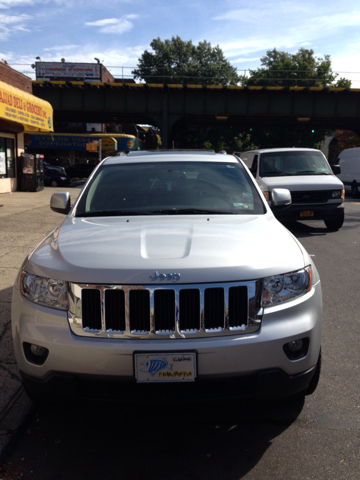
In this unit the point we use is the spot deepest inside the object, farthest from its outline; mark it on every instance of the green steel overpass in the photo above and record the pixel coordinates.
(166, 106)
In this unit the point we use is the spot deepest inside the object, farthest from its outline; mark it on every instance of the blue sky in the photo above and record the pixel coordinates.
(118, 31)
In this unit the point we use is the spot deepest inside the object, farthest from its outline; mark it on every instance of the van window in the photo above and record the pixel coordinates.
(254, 164)
(273, 164)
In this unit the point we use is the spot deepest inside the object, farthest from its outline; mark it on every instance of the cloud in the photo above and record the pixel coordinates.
(101, 23)
(285, 25)
(112, 25)
(15, 3)
(61, 48)
(11, 24)
(241, 60)
(267, 12)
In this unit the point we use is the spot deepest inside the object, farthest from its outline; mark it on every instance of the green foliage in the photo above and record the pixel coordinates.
(219, 137)
(285, 137)
(301, 69)
(179, 61)
(343, 139)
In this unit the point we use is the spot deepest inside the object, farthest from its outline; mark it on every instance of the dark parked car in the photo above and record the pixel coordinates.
(80, 170)
(55, 168)
(55, 178)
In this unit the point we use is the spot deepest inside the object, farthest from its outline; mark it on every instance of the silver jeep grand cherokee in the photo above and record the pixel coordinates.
(169, 279)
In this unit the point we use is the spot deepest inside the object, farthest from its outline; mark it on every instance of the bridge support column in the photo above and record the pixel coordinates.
(165, 122)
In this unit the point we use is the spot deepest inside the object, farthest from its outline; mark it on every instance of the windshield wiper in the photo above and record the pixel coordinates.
(191, 211)
(113, 213)
(311, 172)
(172, 211)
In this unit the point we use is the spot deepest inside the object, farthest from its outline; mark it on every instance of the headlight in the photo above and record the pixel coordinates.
(282, 288)
(45, 291)
(338, 194)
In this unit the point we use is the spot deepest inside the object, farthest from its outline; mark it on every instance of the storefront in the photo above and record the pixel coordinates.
(20, 112)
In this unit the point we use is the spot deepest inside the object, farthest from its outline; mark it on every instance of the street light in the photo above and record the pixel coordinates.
(97, 59)
(38, 58)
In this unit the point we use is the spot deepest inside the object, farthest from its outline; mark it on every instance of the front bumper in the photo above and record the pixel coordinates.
(321, 212)
(265, 384)
(233, 366)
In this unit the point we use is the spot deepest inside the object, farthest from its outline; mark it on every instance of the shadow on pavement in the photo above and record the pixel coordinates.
(92, 441)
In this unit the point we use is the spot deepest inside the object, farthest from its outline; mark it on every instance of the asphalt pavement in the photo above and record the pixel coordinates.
(25, 219)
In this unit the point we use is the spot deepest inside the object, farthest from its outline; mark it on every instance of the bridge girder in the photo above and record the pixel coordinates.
(166, 105)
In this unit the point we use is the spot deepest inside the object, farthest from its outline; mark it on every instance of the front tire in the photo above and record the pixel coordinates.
(335, 223)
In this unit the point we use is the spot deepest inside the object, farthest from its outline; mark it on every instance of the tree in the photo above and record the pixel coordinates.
(179, 61)
(219, 137)
(342, 140)
(283, 137)
(301, 69)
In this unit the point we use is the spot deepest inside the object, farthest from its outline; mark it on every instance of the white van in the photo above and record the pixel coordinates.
(349, 172)
(317, 194)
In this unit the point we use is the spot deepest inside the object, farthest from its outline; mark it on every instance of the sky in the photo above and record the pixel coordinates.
(118, 31)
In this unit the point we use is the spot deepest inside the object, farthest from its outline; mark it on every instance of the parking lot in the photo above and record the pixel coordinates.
(316, 439)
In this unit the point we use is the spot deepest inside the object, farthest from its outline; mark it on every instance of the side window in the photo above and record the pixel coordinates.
(254, 165)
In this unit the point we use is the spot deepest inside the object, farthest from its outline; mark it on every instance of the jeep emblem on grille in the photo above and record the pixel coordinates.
(165, 276)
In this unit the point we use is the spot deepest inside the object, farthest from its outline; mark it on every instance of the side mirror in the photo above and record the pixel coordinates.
(60, 202)
(336, 169)
(280, 199)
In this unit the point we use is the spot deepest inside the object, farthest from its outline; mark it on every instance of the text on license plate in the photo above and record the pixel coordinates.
(165, 367)
(307, 213)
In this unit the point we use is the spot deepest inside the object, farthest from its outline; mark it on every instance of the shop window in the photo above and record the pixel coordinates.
(7, 158)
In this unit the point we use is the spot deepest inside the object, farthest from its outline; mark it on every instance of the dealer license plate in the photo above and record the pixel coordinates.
(165, 367)
(307, 213)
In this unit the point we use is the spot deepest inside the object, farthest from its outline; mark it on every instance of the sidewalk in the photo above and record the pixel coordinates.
(25, 219)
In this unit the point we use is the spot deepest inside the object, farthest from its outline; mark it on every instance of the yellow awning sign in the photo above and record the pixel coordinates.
(108, 143)
(21, 107)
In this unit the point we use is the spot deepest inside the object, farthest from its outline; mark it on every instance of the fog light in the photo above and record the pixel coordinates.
(37, 350)
(297, 349)
(294, 346)
(35, 353)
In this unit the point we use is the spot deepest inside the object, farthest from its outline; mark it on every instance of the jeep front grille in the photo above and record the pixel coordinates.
(175, 311)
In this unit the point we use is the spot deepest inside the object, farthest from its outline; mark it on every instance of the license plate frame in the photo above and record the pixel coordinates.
(307, 214)
(165, 367)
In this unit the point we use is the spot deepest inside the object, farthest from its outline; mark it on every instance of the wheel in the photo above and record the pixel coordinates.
(54, 183)
(354, 190)
(315, 379)
(336, 223)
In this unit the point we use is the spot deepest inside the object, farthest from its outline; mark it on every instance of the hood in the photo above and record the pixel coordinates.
(128, 250)
(303, 182)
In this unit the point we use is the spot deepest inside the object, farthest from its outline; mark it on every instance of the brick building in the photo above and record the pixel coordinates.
(14, 78)
(20, 111)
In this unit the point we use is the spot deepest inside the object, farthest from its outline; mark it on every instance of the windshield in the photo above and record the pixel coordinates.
(275, 164)
(170, 188)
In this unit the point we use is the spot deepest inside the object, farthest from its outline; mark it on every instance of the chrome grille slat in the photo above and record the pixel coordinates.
(165, 310)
